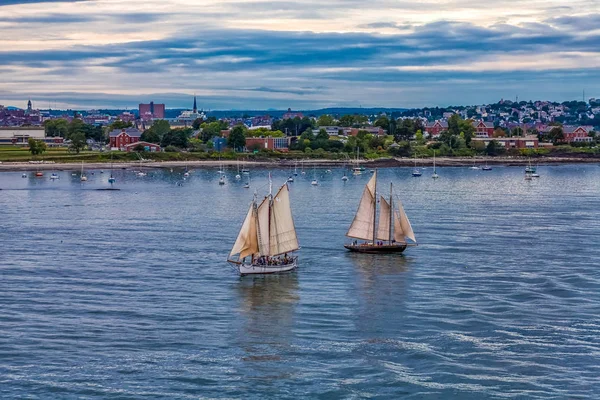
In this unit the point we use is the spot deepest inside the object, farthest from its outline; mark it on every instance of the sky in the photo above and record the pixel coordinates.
(302, 54)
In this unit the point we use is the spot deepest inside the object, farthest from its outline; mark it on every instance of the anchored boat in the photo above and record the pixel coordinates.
(389, 236)
(267, 238)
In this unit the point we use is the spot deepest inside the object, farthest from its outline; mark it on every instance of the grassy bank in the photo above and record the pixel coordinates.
(62, 155)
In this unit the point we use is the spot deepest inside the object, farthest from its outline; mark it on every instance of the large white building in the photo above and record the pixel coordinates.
(20, 135)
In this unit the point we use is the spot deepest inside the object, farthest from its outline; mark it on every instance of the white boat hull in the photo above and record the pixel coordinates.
(251, 269)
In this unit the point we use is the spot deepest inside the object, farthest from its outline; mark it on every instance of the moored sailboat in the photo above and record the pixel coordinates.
(267, 236)
(389, 236)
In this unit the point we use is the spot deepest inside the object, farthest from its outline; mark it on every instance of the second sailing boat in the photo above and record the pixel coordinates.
(389, 236)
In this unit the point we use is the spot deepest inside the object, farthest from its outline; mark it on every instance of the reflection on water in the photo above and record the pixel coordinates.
(267, 310)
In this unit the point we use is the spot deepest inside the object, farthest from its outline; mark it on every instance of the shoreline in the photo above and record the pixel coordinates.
(379, 163)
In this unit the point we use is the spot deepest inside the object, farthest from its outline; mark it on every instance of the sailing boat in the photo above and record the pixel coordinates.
(345, 177)
(435, 175)
(111, 179)
(83, 177)
(238, 176)
(416, 172)
(295, 167)
(529, 169)
(245, 170)
(247, 184)
(486, 167)
(393, 229)
(475, 166)
(314, 182)
(358, 169)
(267, 234)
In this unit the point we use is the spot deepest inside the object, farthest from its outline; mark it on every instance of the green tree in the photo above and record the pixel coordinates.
(322, 135)
(78, 142)
(325, 120)
(139, 148)
(493, 148)
(383, 122)
(453, 125)
(36, 147)
(197, 122)
(237, 137)
(56, 127)
(150, 136)
(346, 120)
(307, 134)
(158, 130)
(76, 126)
(118, 124)
(556, 134)
(211, 130)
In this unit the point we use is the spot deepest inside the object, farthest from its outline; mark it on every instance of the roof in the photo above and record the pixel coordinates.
(486, 124)
(444, 124)
(142, 143)
(133, 132)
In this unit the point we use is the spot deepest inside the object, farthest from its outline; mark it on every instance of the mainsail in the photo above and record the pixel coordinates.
(402, 227)
(383, 231)
(268, 229)
(282, 231)
(246, 243)
(363, 225)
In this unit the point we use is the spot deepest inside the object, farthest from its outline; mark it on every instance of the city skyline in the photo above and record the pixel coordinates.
(303, 55)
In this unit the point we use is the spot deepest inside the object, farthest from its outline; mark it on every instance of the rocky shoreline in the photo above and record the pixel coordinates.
(379, 163)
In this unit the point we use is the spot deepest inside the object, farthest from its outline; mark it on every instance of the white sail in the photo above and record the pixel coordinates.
(246, 243)
(363, 224)
(263, 227)
(402, 227)
(383, 230)
(283, 237)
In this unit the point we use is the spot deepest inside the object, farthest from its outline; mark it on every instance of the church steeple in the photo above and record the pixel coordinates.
(195, 106)
(29, 106)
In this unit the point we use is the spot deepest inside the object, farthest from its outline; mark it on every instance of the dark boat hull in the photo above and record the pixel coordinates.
(368, 248)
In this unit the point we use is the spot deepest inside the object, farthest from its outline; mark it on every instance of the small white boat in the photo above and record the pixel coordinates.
(186, 174)
(247, 186)
(434, 175)
(141, 174)
(53, 176)
(290, 179)
(222, 180)
(83, 177)
(535, 175)
(24, 175)
(344, 178)
(314, 182)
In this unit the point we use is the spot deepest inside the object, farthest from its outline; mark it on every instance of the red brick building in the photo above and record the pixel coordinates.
(292, 114)
(435, 128)
(515, 142)
(577, 133)
(269, 143)
(149, 147)
(152, 111)
(483, 129)
(119, 138)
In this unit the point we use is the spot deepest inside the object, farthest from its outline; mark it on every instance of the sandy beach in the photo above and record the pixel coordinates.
(381, 163)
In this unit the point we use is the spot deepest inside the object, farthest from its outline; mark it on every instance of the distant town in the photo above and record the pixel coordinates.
(505, 127)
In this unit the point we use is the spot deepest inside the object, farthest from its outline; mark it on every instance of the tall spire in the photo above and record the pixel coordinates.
(195, 106)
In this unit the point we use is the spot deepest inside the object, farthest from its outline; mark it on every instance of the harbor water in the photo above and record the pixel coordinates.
(126, 294)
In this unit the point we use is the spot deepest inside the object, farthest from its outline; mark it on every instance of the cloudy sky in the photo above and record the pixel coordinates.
(256, 54)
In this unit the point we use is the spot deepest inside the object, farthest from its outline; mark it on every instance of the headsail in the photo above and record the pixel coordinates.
(402, 227)
(246, 243)
(362, 226)
(383, 231)
(282, 237)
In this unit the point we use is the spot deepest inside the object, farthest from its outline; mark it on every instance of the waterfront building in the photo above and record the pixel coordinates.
(119, 138)
(151, 111)
(149, 147)
(268, 143)
(436, 127)
(516, 142)
(19, 136)
(483, 129)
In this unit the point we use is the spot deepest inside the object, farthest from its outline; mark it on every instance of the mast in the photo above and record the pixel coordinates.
(391, 213)
(375, 208)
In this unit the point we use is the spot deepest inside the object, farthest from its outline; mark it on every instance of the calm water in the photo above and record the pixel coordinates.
(126, 294)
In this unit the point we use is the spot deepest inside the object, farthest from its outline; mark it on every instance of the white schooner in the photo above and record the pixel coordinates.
(267, 237)
(389, 236)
